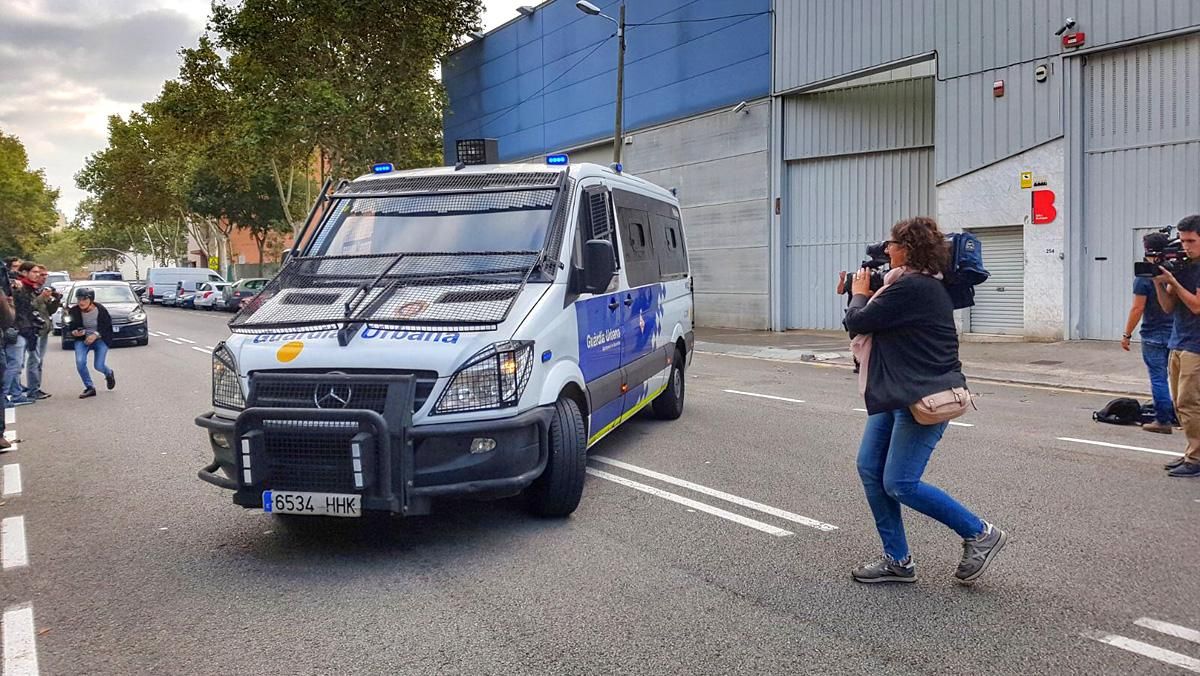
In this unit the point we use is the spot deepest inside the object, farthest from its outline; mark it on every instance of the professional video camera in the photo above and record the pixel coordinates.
(876, 259)
(1163, 251)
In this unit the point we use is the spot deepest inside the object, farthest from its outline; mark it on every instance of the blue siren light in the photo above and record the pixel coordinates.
(559, 160)
(382, 168)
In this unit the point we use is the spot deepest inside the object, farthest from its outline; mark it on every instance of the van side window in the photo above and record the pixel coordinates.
(672, 257)
(641, 266)
(595, 222)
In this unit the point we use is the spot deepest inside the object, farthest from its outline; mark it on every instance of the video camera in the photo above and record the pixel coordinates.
(876, 259)
(1163, 251)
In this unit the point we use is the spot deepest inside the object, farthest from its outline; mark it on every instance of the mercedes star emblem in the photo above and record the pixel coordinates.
(332, 396)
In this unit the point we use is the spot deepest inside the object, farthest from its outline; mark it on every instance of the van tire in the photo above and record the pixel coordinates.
(669, 404)
(556, 493)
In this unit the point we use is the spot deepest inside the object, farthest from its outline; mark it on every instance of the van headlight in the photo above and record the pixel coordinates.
(494, 378)
(226, 385)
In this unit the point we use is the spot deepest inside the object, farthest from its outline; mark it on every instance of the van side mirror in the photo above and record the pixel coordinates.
(599, 264)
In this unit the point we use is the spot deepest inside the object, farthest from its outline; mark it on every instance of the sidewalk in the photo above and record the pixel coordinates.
(1080, 365)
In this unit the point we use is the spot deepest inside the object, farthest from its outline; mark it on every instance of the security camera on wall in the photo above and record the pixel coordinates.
(740, 108)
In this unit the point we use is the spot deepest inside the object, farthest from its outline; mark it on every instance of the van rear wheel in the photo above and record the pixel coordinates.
(556, 493)
(669, 404)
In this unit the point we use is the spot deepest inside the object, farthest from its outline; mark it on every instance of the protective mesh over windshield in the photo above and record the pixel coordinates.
(453, 203)
(416, 291)
(453, 182)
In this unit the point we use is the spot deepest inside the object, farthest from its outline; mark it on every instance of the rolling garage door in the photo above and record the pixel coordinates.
(1000, 301)
(859, 159)
(1141, 165)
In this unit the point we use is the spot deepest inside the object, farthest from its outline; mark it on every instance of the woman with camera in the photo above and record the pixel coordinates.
(907, 342)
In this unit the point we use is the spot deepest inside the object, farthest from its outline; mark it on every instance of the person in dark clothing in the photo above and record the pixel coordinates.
(26, 325)
(1156, 334)
(91, 326)
(909, 349)
(6, 321)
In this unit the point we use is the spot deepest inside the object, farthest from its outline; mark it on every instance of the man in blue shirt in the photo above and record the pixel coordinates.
(1177, 294)
(1156, 335)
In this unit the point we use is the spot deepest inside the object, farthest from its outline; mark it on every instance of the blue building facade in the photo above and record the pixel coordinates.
(548, 81)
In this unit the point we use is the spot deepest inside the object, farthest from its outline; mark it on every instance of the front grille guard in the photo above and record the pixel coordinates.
(391, 461)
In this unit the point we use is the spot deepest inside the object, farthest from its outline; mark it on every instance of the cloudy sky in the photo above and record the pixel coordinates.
(66, 65)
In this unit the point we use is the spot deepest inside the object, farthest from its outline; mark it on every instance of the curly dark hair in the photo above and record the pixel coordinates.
(926, 244)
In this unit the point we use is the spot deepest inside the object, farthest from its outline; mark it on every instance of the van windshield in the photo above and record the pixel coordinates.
(441, 224)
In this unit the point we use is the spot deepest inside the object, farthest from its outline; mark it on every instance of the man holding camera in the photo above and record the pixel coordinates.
(1156, 336)
(46, 301)
(1176, 293)
(18, 337)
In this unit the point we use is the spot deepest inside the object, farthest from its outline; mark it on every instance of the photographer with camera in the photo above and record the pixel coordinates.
(1175, 288)
(21, 336)
(1156, 335)
(46, 302)
(907, 341)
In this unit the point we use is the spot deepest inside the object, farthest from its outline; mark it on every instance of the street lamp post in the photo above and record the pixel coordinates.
(618, 131)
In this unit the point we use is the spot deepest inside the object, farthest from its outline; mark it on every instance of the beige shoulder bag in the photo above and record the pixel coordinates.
(941, 407)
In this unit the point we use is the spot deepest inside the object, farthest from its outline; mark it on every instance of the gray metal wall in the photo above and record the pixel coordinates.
(1141, 165)
(859, 159)
(976, 42)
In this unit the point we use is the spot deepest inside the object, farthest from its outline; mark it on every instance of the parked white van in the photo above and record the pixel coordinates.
(162, 282)
(454, 332)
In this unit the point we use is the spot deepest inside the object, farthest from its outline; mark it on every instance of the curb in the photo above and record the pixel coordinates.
(841, 360)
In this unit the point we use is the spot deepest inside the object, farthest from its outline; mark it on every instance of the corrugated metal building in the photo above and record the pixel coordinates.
(863, 112)
(1111, 128)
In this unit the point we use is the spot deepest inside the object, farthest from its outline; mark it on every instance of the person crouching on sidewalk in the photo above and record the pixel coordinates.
(1177, 295)
(91, 327)
(1156, 335)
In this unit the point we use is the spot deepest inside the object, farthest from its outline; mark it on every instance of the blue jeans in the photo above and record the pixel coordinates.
(1156, 357)
(14, 360)
(81, 352)
(894, 452)
(34, 358)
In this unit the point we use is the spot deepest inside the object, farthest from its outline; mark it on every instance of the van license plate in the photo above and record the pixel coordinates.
(315, 504)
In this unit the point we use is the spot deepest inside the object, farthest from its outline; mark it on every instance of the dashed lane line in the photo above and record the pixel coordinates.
(720, 495)
(11, 484)
(11, 436)
(1169, 629)
(189, 342)
(1106, 444)
(688, 502)
(1146, 650)
(172, 340)
(10, 416)
(765, 396)
(200, 349)
(13, 553)
(20, 642)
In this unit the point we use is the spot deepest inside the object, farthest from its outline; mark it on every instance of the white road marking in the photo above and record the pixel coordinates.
(12, 480)
(1169, 629)
(189, 342)
(765, 396)
(12, 543)
(1145, 649)
(1127, 448)
(210, 348)
(721, 495)
(955, 423)
(200, 349)
(687, 502)
(20, 642)
(10, 416)
(172, 340)
(161, 333)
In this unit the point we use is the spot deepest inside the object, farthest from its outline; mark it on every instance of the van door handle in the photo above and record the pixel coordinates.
(614, 304)
(628, 300)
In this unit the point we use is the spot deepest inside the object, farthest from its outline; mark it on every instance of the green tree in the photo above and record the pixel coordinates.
(26, 203)
(60, 251)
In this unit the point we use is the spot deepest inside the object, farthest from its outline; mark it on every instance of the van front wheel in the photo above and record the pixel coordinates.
(556, 493)
(669, 404)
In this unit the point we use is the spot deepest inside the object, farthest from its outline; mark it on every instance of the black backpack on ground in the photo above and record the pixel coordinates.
(1122, 411)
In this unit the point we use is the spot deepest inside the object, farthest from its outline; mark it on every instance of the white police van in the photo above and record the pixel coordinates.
(450, 332)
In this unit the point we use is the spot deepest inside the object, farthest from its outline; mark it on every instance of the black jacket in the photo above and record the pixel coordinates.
(103, 325)
(914, 349)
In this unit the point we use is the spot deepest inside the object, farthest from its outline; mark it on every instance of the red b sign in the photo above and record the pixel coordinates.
(1043, 207)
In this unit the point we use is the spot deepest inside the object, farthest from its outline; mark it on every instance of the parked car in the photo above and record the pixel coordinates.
(185, 294)
(243, 290)
(110, 275)
(139, 287)
(162, 282)
(53, 278)
(56, 319)
(130, 325)
(211, 295)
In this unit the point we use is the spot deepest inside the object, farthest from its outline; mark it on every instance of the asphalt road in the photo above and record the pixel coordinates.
(135, 566)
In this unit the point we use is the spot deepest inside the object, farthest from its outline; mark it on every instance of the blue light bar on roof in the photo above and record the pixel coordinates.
(382, 168)
(559, 160)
